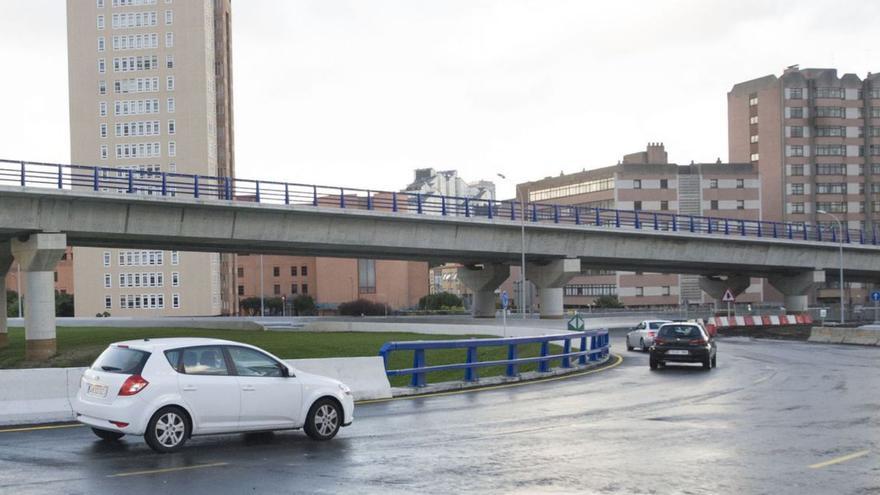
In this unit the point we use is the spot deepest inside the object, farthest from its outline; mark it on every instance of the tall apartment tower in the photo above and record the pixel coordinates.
(151, 91)
(815, 138)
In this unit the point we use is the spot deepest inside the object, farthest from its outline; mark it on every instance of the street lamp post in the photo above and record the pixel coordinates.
(262, 297)
(522, 227)
(840, 242)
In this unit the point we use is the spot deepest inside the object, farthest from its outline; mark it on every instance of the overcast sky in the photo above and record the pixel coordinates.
(359, 93)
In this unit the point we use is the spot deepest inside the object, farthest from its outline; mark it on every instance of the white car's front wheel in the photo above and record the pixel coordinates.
(168, 430)
(323, 420)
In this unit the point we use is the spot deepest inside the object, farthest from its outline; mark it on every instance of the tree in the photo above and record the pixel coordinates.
(303, 305)
(608, 302)
(63, 304)
(441, 300)
(363, 307)
(11, 303)
(250, 306)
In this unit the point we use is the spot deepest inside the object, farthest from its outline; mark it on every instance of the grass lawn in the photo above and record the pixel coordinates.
(80, 347)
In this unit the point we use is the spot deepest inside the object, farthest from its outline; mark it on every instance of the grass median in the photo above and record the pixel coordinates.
(81, 345)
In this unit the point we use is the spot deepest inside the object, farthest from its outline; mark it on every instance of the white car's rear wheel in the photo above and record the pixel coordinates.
(323, 420)
(168, 430)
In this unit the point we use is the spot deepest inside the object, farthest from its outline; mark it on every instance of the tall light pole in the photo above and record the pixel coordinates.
(262, 298)
(840, 239)
(522, 229)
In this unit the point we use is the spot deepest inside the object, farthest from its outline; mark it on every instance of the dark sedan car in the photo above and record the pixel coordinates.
(683, 343)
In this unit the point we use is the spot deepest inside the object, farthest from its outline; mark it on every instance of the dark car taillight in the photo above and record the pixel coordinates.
(133, 385)
(697, 342)
(659, 341)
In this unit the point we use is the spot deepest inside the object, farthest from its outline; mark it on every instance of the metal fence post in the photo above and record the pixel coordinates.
(418, 378)
(566, 348)
(227, 186)
(490, 208)
(369, 200)
(164, 184)
(617, 218)
(314, 195)
(95, 178)
(656, 224)
(544, 364)
(692, 223)
(23, 179)
(130, 181)
(443, 205)
(470, 373)
(196, 188)
(512, 369)
(674, 223)
(342, 198)
(555, 213)
(598, 217)
(513, 210)
(419, 203)
(577, 215)
(286, 193)
(467, 208)
(636, 221)
(394, 201)
(582, 359)
(60, 177)
(593, 341)
(534, 212)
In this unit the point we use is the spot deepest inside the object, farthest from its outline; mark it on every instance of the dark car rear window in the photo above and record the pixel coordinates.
(681, 332)
(121, 360)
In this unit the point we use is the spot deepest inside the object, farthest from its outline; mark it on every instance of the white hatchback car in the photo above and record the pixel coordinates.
(170, 389)
(642, 336)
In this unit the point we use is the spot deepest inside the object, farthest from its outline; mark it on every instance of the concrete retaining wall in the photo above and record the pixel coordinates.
(43, 395)
(869, 335)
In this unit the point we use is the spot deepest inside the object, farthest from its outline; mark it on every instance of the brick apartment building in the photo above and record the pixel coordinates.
(815, 139)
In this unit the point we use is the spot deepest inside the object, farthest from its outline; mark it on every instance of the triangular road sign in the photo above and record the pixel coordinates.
(728, 296)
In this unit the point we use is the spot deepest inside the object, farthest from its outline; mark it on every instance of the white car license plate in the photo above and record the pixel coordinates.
(676, 352)
(96, 390)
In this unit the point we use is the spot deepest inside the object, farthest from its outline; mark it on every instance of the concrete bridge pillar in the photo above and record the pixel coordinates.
(715, 286)
(5, 263)
(484, 281)
(795, 288)
(38, 256)
(550, 278)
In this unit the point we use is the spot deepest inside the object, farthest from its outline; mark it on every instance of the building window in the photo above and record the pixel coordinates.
(304, 271)
(175, 258)
(637, 205)
(796, 93)
(101, 22)
(831, 131)
(102, 130)
(171, 106)
(169, 83)
(831, 188)
(664, 205)
(293, 271)
(753, 138)
(753, 101)
(713, 204)
(108, 281)
(240, 290)
(106, 258)
(829, 92)
(830, 150)
(101, 43)
(796, 112)
(713, 183)
(175, 301)
(797, 189)
(172, 127)
(276, 271)
(108, 302)
(754, 157)
(664, 183)
(100, 4)
(830, 169)
(240, 271)
(175, 279)
(666, 290)
(753, 119)
(797, 207)
(102, 87)
(276, 289)
(797, 170)
(169, 61)
(169, 40)
(572, 189)
(169, 17)
(293, 288)
(740, 204)
(796, 150)
(172, 148)
(105, 151)
(740, 183)
(835, 112)
(102, 66)
(366, 276)
(640, 292)
(797, 131)
(590, 290)
(637, 184)
(305, 287)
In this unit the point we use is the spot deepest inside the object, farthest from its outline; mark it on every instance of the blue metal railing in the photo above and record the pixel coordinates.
(594, 346)
(154, 183)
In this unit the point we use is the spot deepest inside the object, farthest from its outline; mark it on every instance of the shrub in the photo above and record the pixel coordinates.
(363, 307)
(608, 302)
(441, 300)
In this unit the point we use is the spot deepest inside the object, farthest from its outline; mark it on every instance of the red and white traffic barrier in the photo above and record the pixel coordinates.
(758, 321)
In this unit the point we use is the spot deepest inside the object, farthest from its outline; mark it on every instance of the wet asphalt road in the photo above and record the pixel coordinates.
(756, 424)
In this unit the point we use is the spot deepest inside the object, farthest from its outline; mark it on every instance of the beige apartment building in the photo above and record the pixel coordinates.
(151, 91)
(815, 139)
(646, 181)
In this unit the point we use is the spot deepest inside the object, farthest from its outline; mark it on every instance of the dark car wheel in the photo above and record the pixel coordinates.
(642, 345)
(653, 363)
(110, 436)
(714, 361)
(628, 347)
(323, 420)
(707, 364)
(167, 430)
